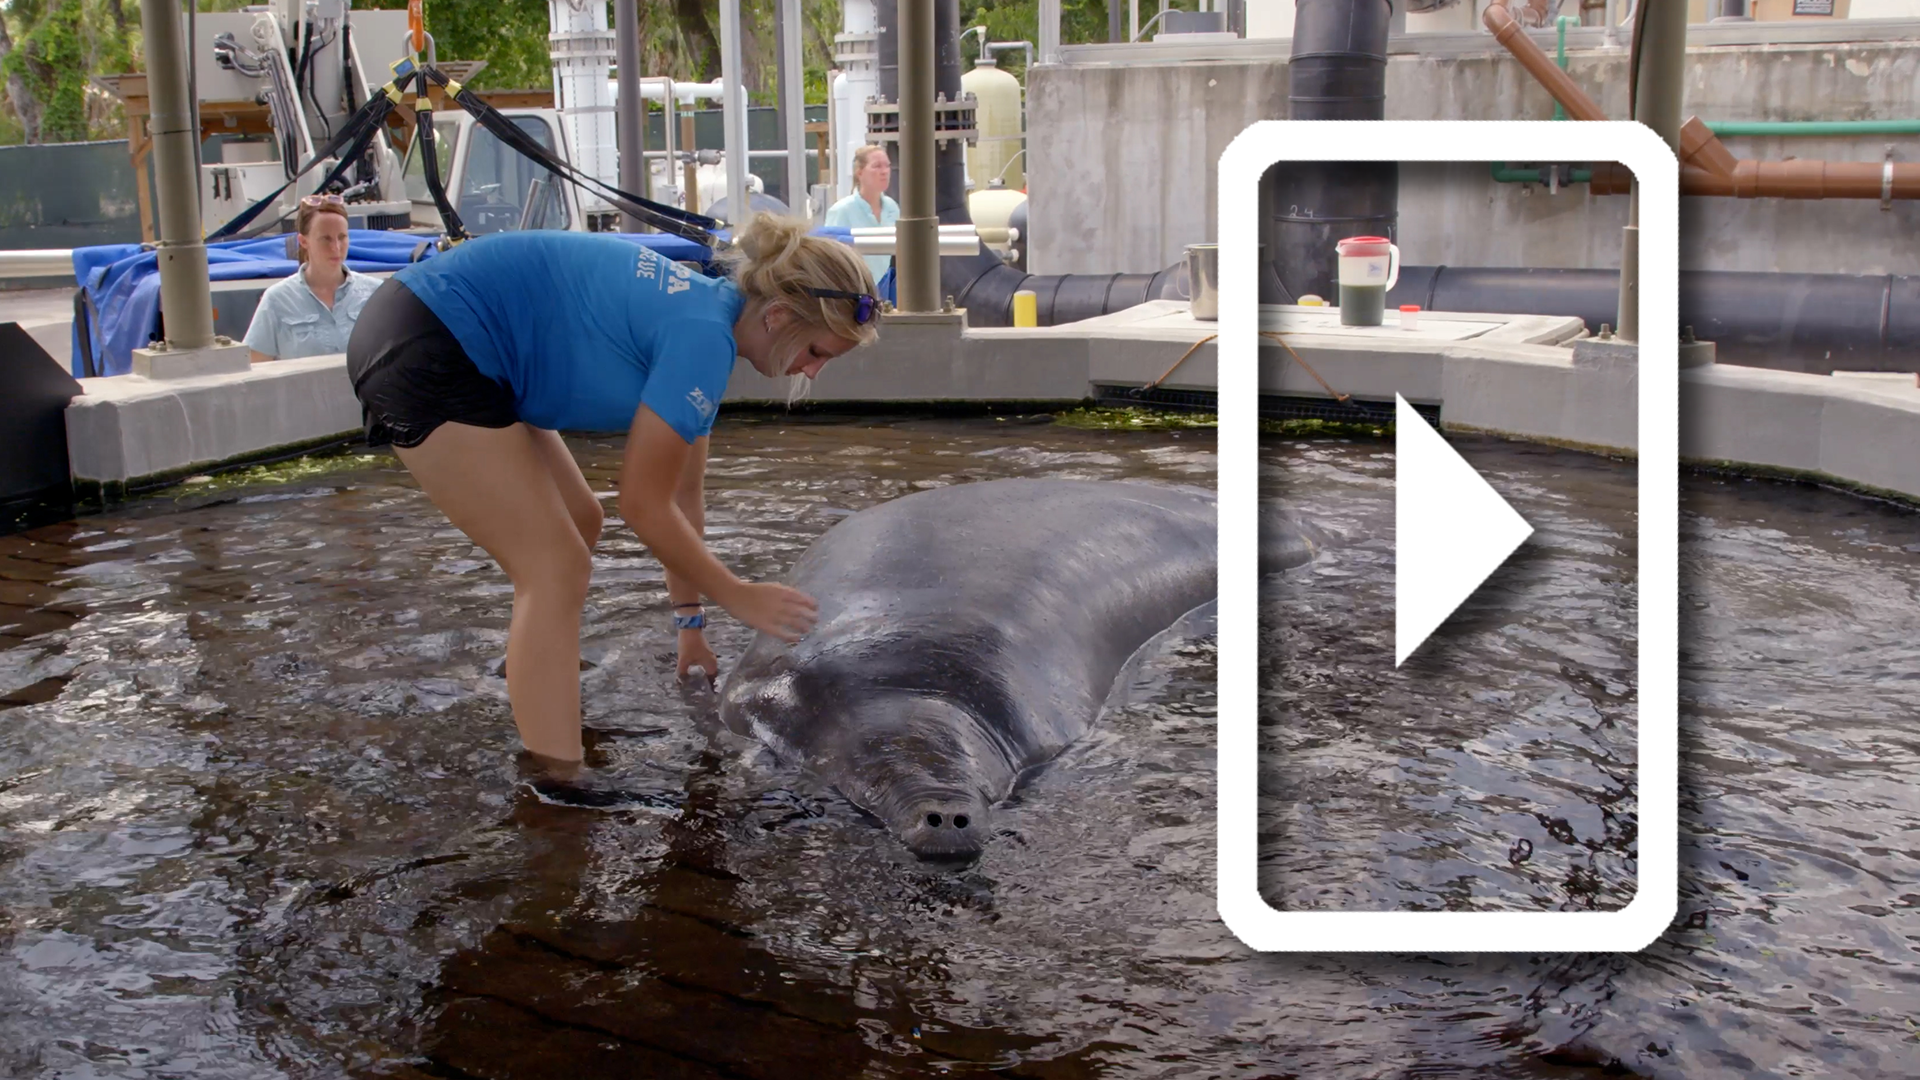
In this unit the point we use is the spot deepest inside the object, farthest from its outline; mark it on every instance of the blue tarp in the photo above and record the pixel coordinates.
(122, 281)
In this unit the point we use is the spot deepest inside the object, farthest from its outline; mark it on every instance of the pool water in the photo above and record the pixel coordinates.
(256, 815)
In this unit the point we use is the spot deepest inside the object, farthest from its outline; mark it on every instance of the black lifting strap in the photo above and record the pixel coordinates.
(668, 219)
(358, 131)
(430, 163)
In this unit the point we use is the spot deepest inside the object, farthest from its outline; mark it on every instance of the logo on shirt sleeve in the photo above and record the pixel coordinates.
(701, 403)
(682, 279)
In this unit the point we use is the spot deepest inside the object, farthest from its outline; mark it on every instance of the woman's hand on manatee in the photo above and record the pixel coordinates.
(784, 612)
(696, 653)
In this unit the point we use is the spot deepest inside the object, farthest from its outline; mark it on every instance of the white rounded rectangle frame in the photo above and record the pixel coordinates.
(1655, 900)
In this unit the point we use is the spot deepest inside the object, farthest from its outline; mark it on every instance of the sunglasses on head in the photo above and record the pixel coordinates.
(863, 305)
(323, 200)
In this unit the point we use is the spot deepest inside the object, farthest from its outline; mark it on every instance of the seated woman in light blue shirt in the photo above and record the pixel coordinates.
(470, 363)
(311, 311)
(869, 205)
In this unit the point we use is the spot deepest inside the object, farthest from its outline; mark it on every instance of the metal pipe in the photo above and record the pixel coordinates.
(1560, 57)
(668, 131)
(1611, 18)
(193, 95)
(1049, 31)
(630, 116)
(1504, 175)
(981, 48)
(36, 263)
(1659, 86)
(185, 300)
(793, 97)
(1026, 47)
(652, 86)
(1149, 25)
(1337, 70)
(1783, 321)
(1708, 169)
(917, 261)
(955, 245)
(733, 114)
(1507, 31)
(1659, 65)
(1773, 128)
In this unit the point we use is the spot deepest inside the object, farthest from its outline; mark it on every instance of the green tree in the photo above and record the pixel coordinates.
(49, 51)
(1082, 22)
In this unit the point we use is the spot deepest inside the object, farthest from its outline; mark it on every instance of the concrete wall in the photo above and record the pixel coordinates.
(1125, 176)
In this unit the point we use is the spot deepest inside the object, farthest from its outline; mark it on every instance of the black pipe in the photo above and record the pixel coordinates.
(1788, 322)
(1337, 71)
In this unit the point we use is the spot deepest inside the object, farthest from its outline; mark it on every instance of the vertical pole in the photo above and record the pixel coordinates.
(733, 113)
(185, 298)
(691, 174)
(1050, 31)
(916, 234)
(793, 104)
(668, 132)
(630, 119)
(1658, 93)
(193, 95)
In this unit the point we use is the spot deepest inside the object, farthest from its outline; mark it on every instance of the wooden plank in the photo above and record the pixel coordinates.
(139, 144)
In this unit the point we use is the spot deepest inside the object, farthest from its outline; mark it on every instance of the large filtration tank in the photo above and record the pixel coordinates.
(996, 115)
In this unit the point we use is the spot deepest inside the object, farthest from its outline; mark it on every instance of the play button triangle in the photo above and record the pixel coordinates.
(1451, 530)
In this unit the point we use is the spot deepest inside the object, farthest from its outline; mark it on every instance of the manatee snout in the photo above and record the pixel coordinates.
(936, 827)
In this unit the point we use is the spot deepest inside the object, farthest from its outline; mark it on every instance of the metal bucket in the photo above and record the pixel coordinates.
(1203, 280)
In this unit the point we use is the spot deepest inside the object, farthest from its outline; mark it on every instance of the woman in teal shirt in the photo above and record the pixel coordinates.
(471, 362)
(311, 311)
(869, 205)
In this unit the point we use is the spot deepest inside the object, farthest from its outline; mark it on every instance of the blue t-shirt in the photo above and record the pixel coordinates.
(584, 329)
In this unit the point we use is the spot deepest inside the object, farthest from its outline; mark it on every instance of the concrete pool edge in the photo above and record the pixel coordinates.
(127, 433)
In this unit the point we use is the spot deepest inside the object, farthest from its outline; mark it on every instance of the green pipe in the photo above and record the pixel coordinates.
(1560, 57)
(1504, 175)
(1817, 127)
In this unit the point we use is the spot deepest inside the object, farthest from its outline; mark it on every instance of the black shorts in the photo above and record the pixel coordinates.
(411, 375)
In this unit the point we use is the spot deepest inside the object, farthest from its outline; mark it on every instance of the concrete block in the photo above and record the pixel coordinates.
(129, 427)
(1872, 440)
(223, 357)
(1137, 361)
(1508, 395)
(1753, 416)
(1608, 354)
(934, 357)
(1602, 407)
(1376, 371)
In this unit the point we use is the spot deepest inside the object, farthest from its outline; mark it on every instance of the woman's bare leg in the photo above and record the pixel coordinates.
(588, 515)
(495, 485)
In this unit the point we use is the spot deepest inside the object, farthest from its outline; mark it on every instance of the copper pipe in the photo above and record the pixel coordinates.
(1506, 30)
(1707, 167)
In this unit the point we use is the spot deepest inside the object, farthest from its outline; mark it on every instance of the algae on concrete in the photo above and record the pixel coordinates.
(1133, 418)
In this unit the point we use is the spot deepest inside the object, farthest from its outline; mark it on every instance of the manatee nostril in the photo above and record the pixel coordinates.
(933, 820)
(959, 821)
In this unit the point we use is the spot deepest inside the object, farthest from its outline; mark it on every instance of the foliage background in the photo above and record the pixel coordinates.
(51, 49)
